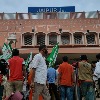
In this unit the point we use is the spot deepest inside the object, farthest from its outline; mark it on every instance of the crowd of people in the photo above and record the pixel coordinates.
(77, 81)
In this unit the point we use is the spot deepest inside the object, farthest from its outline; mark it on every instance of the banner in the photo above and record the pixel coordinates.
(7, 52)
(53, 55)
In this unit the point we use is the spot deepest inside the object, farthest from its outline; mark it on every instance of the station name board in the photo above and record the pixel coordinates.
(51, 9)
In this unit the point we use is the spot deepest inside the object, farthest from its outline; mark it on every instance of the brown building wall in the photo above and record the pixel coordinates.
(47, 26)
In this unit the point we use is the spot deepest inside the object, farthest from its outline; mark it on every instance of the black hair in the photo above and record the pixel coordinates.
(3, 67)
(15, 52)
(83, 57)
(42, 47)
(56, 66)
(65, 58)
(98, 56)
(94, 62)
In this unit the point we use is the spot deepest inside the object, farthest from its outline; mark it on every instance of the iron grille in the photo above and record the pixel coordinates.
(78, 39)
(90, 39)
(28, 40)
(40, 39)
(65, 39)
(52, 39)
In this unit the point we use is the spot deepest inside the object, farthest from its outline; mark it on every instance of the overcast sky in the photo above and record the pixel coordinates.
(12, 6)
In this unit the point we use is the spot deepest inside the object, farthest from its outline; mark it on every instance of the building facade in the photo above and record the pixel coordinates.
(77, 32)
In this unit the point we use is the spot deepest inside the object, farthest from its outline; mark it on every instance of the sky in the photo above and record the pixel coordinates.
(21, 6)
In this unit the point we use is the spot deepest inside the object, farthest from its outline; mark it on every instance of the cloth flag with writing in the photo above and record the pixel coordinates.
(7, 51)
(53, 55)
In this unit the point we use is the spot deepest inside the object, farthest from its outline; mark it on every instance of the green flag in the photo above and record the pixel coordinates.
(7, 52)
(53, 55)
(29, 59)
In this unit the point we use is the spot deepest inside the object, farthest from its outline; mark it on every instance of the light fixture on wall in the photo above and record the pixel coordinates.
(88, 32)
(33, 30)
(12, 39)
(60, 30)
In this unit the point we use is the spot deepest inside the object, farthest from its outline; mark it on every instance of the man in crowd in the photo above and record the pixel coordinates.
(39, 74)
(51, 78)
(93, 63)
(65, 79)
(16, 73)
(1, 76)
(96, 76)
(86, 78)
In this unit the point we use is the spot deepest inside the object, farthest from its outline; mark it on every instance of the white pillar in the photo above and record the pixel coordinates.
(97, 38)
(59, 39)
(34, 39)
(85, 40)
(72, 39)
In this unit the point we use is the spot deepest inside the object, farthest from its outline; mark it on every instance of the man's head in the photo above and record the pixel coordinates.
(15, 52)
(65, 59)
(83, 57)
(43, 50)
(98, 56)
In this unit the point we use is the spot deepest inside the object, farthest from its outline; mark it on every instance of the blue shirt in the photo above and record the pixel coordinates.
(51, 75)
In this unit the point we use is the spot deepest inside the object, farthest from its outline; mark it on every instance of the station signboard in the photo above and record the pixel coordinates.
(51, 9)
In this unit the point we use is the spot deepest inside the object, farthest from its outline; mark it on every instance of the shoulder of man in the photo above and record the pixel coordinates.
(37, 55)
(85, 63)
(98, 63)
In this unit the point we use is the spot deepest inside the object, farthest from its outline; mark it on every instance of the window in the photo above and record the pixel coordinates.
(78, 39)
(64, 15)
(40, 39)
(65, 39)
(36, 16)
(90, 39)
(27, 39)
(23, 16)
(9, 16)
(52, 39)
(50, 15)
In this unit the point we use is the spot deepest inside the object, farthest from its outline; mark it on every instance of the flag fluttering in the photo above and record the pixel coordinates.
(7, 52)
(28, 60)
(53, 55)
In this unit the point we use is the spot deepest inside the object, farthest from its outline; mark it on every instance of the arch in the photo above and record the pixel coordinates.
(63, 33)
(82, 33)
(40, 33)
(27, 33)
(53, 33)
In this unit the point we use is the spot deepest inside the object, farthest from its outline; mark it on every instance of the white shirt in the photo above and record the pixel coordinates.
(39, 63)
(97, 71)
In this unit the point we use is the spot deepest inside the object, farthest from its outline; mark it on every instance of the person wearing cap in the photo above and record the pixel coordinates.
(86, 78)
